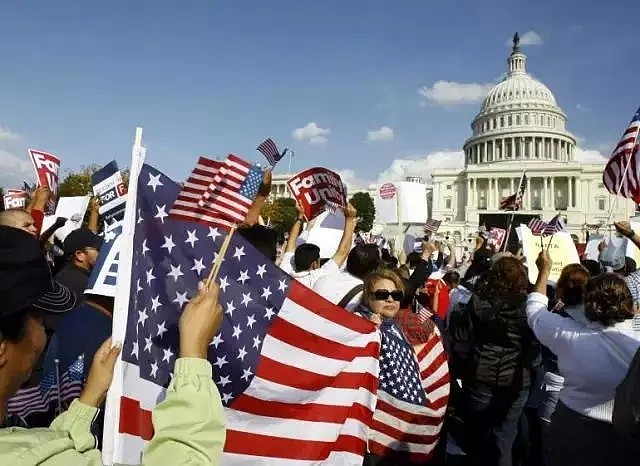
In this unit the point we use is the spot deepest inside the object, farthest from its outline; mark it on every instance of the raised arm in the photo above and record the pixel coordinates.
(94, 215)
(347, 235)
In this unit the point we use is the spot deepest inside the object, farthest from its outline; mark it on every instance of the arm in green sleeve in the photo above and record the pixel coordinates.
(77, 421)
(189, 424)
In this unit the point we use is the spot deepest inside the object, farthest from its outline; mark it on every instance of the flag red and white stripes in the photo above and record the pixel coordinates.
(617, 178)
(233, 189)
(313, 394)
(536, 225)
(431, 225)
(414, 433)
(187, 207)
(269, 149)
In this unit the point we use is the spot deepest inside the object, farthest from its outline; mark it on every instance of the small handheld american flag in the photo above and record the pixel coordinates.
(269, 149)
(432, 226)
(537, 226)
(555, 225)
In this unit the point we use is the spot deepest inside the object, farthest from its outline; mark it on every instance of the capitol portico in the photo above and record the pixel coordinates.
(520, 128)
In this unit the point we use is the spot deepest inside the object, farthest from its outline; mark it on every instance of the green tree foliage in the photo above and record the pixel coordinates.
(281, 213)
(77, 183)
(363, 204)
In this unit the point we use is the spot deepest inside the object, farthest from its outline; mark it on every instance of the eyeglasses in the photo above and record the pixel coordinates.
(383, 295)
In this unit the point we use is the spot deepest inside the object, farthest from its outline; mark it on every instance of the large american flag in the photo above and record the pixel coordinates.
(617, 177)
(269, 149)
(412, 398)
(297, 375)
(187, 207)
(233, 189)
(514, 201)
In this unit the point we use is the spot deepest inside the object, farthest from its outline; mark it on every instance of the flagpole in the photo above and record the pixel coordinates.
(506, 240)
(290, 158)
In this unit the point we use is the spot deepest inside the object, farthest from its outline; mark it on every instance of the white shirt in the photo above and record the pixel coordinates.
(308, 277)
(592, 358)
(333, 287)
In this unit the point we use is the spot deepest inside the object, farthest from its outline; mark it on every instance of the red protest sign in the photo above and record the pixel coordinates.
(15, 199)
(387, 191)
(314, 187)
(47, 168)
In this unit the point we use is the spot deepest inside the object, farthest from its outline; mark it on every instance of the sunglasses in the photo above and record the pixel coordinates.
(383, 295)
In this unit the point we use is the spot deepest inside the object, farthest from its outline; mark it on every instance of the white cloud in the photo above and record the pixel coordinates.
(8, 135)
(589, 156)
(353, 182)
(422, 166)
(14, 169)
(312, 133)
(384, 134)
(452, 93)
(528, 38)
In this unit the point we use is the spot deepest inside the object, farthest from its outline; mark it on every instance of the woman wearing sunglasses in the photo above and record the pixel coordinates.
(383, 293)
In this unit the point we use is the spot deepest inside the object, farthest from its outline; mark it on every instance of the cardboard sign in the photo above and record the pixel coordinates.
(313, 187)
(591, 251)
(47, 167)
(112, 192)
(15, 199)
(71, 208)
(562, 251)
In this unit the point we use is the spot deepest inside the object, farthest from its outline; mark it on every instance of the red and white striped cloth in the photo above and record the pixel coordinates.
(401, 432)
(233, 189)
(537, 226)
(187, 207)
(617, 177)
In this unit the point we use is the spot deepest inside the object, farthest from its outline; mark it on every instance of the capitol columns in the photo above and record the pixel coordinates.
(570, 189)
(528, 193)
(545, 192)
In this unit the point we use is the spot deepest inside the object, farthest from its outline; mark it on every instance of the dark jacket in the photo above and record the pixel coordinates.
(501, 343)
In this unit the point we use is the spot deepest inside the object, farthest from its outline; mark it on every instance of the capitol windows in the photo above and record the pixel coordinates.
(602, 203)
(501, 122)
(509, 120)
(447, 203)
(517, 119)
(526, 119)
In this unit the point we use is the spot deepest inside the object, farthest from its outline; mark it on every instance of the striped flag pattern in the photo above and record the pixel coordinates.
(555, 225)
(537, 226)
(412, 398)
(297, 375)
(187, 207)
(614, 177)
(233, 189)
(431, 225)
(54, 394)
(269, 149)
(514, 201)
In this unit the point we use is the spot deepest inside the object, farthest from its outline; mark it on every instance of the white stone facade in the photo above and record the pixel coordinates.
(520, 128)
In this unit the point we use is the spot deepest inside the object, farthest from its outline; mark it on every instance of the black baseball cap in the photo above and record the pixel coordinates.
(25, 276)
(80, 239)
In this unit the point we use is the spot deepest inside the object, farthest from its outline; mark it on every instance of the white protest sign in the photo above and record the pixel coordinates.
(591, 250)
(71, 208)
(561, 249)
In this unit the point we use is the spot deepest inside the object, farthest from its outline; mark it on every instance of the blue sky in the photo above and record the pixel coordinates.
(212, 77)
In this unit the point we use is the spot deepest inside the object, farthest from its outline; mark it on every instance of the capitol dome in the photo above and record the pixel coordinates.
(519, 119)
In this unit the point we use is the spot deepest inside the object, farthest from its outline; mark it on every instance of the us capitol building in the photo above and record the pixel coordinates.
(520, 127)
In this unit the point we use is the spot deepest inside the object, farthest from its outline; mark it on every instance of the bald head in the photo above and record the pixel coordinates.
(18, 218)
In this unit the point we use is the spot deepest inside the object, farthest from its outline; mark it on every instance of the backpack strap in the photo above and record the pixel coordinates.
(350, 295)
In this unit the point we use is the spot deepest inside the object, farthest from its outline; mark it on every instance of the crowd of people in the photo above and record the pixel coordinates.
(516, 373)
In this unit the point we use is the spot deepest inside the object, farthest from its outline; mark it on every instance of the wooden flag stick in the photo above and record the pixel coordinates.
(218, 262)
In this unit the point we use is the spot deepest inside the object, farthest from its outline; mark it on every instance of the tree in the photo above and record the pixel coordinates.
(282, 213)
(363, 204)
(78, 183)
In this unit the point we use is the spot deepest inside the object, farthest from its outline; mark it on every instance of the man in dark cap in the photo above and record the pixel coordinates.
(81, 248)
(29, 293)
